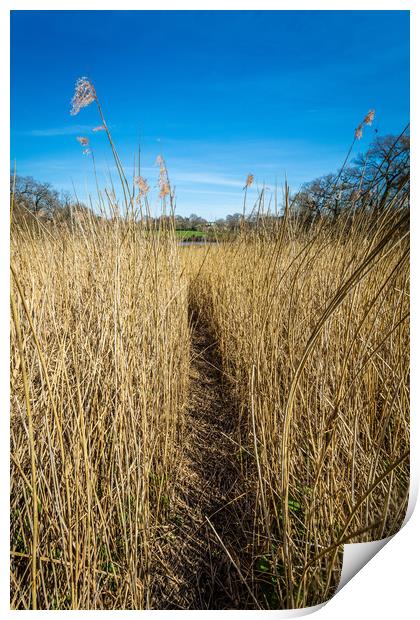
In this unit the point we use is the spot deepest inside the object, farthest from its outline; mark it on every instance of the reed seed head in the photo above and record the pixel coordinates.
(249, 180)
(368, 120)
(160, 162)
(84, 95)
(142, 185)
(164, 189)
(163, 177)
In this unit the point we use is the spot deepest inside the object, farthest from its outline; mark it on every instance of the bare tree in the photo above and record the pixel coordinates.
(40, 199)
(372, 180)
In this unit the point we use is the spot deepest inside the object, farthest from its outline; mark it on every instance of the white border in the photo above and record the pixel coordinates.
(386, 586)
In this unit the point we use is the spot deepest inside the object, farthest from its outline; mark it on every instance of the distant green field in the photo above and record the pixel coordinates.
(189, 234)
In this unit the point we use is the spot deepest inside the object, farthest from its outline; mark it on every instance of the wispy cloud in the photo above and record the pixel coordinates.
(210, 192)
(205, 178)
(68, 130)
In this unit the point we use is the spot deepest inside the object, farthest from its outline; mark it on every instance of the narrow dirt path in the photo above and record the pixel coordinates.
(200, 574)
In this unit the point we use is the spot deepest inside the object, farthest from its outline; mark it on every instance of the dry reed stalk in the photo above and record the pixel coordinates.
(314, 332)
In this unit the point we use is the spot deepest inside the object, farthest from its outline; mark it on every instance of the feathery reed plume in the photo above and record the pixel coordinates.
(160, 162)
(368, 120)
(82, 140)
(142, 185)
(99, 128)
(249, 181)
(86, 151)
(164, 190)
(84, 95)
(163, 177)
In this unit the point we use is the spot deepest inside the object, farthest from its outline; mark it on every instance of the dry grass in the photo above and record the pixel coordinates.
(105, 343)
(313, 330)
(252, 441)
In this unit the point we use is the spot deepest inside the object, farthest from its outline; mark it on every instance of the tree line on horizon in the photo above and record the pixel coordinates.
(368, 183)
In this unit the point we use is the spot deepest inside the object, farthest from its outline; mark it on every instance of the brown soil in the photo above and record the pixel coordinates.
(211, 520)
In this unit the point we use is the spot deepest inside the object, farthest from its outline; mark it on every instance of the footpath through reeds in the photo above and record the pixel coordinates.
(204, 427)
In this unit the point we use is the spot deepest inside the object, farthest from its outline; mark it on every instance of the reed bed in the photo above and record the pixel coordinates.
(312, 329)
(314, 336)
(99, 358)
(311, 333)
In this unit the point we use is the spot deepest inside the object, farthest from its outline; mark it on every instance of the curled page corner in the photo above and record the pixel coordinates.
(356, 556)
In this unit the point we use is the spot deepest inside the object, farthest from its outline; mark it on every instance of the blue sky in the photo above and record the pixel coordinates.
(219, 94)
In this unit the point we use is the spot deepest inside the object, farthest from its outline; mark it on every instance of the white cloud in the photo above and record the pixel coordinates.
(68, 130)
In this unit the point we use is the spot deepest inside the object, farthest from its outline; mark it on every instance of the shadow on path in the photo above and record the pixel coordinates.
(200, 574)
